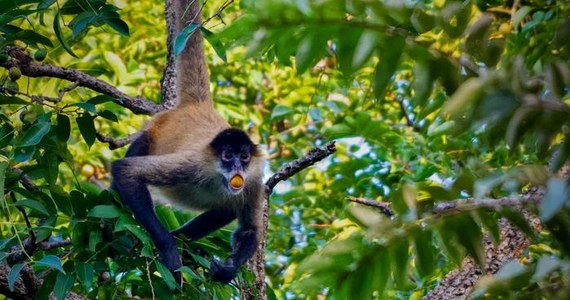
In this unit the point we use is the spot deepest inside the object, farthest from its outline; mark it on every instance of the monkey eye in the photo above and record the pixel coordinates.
(245, 157)
(227, 156)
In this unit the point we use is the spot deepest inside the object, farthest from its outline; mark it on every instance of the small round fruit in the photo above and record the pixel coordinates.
(505, 28)
(236, 181)
(87, 170)
(14, 73)
(40, 55)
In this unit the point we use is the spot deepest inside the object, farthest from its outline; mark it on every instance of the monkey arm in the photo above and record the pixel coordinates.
(205, 223)
(244, 241)
(131, 176)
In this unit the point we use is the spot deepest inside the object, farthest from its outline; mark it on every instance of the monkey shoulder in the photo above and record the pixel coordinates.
(185, 128)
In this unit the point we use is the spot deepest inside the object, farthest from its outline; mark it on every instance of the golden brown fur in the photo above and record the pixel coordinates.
(188, 127)
(193, 79)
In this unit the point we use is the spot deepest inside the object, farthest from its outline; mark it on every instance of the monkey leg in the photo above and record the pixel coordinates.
(206, 223)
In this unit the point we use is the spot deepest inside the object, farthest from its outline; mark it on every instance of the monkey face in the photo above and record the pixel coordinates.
(234, 151)
(234, 166)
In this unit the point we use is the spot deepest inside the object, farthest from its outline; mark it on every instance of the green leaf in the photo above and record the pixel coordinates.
(545, 265)
(63, 284)
(113, 19)
(192, 274)
(510, 270)
(520, 14)
(100, 99)
(87, 128)
(470, 237)
(51, 261)
(422, 84)
(201, 260)
(86, 106)
(85, 273)
(81, 22)
(381, 269)
(31, 37)
(50, 162)
(280, 111)
(389, 61)
(452, 248)
(63, 128)
(167, 217)
(183, 36)
(468, 94)
(117, 64)
(424, 253)
(308, 51)
(400, 261)
(109, 115)
(364, 48)
(518, 220)
(24, 153)
(12, 100)
(104, 211)
(32, 204)
(139, 233)
(557, 194)
(339, 131)
(34, 134)
(14, 275)
(218, 46)
(59, 34)
(166, 275)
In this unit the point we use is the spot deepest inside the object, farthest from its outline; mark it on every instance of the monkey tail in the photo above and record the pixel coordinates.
(193, 79)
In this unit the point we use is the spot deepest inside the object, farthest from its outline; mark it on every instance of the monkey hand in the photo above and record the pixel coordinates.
(225, 272)
(171, 259)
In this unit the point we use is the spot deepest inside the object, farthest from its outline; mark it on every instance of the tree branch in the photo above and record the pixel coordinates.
(18, 254)
(19, 59)
(115, 143)
(383, 207)
(294, 167)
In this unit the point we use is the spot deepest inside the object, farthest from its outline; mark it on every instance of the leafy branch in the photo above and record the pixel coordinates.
(18, 58)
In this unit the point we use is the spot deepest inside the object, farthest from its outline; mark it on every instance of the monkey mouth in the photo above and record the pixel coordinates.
(236, 183)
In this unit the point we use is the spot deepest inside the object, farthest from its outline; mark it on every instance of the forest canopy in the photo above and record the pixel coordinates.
(450, 120)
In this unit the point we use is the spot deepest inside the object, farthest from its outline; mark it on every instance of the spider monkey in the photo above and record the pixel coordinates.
(191, 156)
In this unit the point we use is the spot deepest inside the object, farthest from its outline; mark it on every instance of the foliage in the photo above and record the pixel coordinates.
(430, 101)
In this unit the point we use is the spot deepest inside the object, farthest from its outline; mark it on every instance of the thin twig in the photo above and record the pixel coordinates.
(149, 279)
(383, 207)
(470, 204)
(294, 167)
(115, 143)
(18, 254)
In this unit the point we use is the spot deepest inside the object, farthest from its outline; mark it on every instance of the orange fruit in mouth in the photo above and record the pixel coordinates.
(236, 181)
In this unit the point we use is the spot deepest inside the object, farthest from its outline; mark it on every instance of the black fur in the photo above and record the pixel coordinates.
(233, 140)
(205, 223)
(136, 196)
(140, 147)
